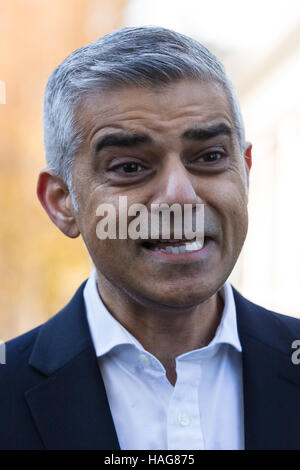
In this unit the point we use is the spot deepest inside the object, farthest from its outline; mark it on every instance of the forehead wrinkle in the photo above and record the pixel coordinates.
(162, 115)
(163, 120)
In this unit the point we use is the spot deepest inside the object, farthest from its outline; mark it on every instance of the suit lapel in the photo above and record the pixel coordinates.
(271, 381)
(69, 405)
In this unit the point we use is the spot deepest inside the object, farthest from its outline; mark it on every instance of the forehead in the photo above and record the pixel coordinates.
(169, 109)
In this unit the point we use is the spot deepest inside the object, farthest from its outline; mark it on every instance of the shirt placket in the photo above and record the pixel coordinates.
(184, 426)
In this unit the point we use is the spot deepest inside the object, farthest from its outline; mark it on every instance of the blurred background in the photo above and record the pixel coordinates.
(259, 43)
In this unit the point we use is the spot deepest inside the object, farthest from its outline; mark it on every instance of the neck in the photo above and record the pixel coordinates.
(164, 332)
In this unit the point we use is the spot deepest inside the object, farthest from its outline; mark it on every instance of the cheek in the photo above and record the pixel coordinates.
(101, 215)
(90, 209)
(237, 225)
(112, 206)
(230, 202)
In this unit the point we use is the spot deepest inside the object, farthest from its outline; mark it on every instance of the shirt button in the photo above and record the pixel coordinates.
(183, 419)
(145, 360)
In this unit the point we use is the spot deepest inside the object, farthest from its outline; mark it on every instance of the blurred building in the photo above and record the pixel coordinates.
(39, 267)
(269, 269)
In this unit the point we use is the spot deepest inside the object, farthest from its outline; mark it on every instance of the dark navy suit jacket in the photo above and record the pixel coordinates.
(52, 394)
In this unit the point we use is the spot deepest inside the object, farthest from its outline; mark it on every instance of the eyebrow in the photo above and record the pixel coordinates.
(122, 140)
(133, 140)
(204, 133)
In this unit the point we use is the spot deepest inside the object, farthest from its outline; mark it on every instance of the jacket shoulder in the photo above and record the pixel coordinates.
(17, 430)
(18, 349)
(30, 359)
(275, 329)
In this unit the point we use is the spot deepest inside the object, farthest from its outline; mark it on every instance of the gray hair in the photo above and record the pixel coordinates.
(143, 56)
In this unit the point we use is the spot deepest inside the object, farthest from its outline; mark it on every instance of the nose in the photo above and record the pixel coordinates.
(175, 184)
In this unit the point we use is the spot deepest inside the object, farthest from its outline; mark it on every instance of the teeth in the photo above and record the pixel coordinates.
(194, 246)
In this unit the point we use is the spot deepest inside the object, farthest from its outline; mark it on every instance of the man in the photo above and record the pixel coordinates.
(156, 350)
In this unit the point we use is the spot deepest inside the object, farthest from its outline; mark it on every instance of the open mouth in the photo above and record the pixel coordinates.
(174, 246)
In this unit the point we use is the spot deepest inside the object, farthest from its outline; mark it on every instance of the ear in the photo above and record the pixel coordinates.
(248, 160)
(55, 198)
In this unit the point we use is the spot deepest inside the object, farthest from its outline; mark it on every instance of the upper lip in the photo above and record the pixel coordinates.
(171, 240)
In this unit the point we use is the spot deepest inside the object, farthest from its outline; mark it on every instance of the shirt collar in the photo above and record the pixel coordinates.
(227, 331)
(107, 333)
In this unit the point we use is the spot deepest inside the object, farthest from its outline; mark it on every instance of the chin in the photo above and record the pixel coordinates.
(180, 295)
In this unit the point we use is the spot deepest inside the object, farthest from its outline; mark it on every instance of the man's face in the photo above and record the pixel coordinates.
(185, 151)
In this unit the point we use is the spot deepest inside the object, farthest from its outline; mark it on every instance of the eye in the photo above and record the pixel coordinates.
(130, 167)
(211, 157)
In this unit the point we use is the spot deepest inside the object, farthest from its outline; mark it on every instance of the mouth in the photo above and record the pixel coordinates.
(175, 247)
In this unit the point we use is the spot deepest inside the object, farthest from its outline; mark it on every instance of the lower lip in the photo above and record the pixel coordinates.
(188, 256)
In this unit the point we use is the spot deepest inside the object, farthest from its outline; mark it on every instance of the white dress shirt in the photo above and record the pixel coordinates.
(204, 410)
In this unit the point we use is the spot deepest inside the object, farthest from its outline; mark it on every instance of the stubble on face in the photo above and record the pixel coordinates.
(172, 174)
